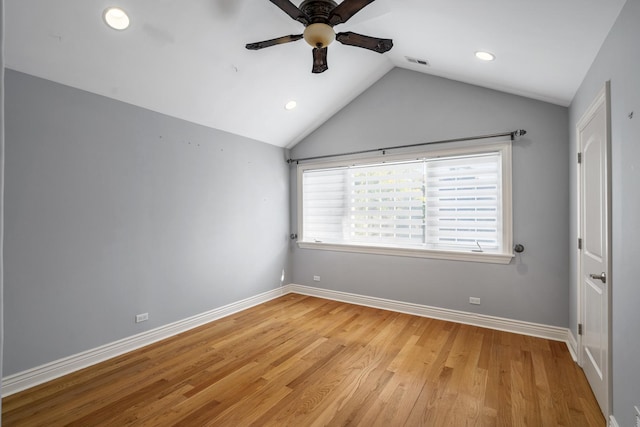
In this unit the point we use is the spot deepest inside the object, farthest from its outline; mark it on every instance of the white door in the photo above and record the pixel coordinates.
(593, 142)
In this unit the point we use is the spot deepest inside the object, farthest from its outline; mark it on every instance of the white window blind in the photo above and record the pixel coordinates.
(386, 203)
(464, 202)
(452, 203)
(325, 204)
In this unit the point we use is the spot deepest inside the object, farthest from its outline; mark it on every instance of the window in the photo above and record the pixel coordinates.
(448, 204)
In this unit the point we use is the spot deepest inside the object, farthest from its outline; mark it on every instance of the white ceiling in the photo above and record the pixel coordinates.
(187, 58)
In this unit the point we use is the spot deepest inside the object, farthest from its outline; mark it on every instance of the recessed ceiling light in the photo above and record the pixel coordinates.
(485, 56)
(290, 105)
(116, 18)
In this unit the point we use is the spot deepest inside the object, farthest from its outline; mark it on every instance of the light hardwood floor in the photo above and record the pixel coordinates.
(305, 361)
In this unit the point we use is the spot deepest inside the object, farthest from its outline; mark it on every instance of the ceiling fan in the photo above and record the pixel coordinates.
(319, 17)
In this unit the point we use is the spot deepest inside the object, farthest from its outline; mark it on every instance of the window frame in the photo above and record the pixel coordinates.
(455, 149)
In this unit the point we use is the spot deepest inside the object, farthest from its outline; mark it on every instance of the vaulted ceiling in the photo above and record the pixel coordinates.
(187, 58)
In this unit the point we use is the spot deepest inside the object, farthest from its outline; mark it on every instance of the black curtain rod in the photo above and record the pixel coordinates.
(513, 135)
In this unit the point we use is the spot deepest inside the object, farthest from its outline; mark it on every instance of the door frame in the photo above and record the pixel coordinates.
(602, 98)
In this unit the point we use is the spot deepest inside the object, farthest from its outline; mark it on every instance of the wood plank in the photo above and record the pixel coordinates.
(299, 360)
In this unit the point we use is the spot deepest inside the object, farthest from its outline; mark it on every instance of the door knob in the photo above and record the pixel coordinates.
(600, 276)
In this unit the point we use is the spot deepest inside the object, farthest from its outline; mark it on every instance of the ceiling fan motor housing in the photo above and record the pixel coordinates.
(318, 10)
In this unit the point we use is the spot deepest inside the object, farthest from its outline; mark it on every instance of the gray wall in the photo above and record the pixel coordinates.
(619, 62)
(406, 107)
(112, 210)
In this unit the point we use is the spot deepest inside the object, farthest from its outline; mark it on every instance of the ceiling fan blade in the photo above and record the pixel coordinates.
(372, 43)
(273, 42)
(345, 10)
(292, 10)
(319, 60)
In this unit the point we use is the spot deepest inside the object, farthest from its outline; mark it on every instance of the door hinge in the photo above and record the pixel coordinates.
(579, 157)
(579, 243)
(579, 328)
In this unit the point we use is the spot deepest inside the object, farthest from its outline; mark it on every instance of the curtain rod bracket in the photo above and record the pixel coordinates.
(518, 133)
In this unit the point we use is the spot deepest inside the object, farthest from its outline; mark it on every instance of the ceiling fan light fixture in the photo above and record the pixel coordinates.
(485, 56)
(319, 35)
(116, 18)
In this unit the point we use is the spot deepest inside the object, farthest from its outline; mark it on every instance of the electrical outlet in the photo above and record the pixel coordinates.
(142, 317)
(474, 300)
(316, 278)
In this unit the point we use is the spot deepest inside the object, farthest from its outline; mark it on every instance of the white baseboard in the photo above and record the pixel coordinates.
(499, 323)
(49, 371)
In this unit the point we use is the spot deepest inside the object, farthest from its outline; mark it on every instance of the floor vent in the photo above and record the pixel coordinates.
(423, 62)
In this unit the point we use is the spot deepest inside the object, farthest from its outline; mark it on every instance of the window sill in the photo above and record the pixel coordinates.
(484, 257)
